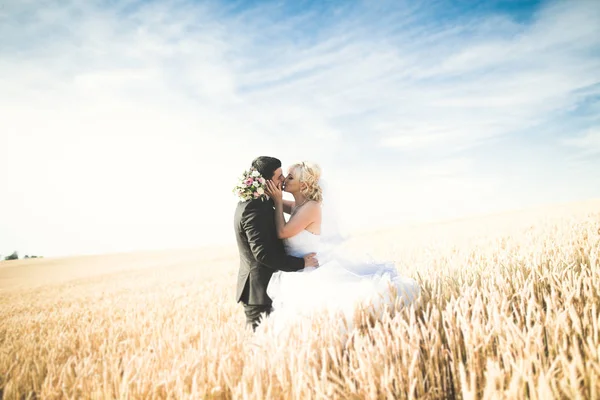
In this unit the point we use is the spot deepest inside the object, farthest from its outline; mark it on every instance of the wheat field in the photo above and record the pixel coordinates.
(510, 308)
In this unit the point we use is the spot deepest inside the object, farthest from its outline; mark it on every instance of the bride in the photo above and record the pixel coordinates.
(340, 284)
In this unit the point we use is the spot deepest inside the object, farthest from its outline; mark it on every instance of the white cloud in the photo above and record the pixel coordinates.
(127, 124)
(588, 143)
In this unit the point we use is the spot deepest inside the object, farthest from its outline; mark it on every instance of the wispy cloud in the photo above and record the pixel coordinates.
(588, 143)
(138, 114)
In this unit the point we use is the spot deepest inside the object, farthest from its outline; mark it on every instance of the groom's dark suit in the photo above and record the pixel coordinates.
(261, 254)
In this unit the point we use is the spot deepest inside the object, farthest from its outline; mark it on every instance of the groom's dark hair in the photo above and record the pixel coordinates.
(266, 166)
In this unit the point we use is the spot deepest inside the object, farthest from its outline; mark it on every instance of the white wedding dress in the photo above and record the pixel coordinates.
(340, 284)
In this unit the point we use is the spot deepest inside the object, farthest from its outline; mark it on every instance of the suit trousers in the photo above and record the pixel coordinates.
(255, 312)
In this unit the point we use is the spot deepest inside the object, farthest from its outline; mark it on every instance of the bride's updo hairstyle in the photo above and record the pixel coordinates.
(309, 174)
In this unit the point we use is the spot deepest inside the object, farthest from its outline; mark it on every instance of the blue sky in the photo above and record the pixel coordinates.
(127, 122)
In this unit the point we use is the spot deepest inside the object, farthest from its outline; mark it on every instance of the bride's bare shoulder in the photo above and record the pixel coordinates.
(308, 209)
(314, 206)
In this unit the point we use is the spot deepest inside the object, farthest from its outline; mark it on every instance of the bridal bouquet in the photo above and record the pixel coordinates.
(251, 185)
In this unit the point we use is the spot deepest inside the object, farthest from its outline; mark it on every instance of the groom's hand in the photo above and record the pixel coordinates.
(310, 260)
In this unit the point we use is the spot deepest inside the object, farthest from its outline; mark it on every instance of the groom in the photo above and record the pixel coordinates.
(261, 251)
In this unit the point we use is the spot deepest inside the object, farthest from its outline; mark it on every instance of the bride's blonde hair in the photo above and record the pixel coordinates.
(310, 173)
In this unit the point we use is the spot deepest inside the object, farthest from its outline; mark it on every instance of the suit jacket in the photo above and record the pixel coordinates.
(261, 251)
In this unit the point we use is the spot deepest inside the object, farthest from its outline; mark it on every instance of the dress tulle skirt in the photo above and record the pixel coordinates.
(337, 288)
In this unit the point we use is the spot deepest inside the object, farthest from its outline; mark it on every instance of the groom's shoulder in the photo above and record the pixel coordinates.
(245, 205)
(254, 206)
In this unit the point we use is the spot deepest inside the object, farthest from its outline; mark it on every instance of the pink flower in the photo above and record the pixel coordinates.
(249, 181)
(262, 181)
(256, 195)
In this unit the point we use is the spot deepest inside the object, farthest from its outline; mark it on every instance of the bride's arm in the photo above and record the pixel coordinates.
(288, 205)
(303, 218)
(298, 222)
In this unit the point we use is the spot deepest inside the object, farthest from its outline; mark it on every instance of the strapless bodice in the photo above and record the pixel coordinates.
(302, 244)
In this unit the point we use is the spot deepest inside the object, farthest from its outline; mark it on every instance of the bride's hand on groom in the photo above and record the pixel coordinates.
(310, 260)
(274, 191)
